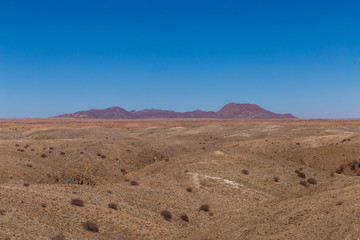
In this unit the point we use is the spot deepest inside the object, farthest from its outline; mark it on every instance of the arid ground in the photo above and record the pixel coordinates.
(179, 179)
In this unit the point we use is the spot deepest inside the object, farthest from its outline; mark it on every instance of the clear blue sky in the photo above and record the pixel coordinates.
(61, 56)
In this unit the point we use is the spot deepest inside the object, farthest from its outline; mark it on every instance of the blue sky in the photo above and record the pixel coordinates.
(64, 56)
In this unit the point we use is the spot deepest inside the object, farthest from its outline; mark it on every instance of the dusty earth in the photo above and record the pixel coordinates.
(242, 173)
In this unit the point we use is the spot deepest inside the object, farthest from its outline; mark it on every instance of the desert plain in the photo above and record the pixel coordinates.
(190, 179)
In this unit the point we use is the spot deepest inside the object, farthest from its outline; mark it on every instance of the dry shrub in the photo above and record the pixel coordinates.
(276, 179)
(303, 183)
(99, 154)
(332, 174)
(2, 212)
(205, 207)
(59, 237)
(109, 191)
(167, 215)
(246, 172)
(113, 206)
(189, 190)
(77, 202)
(26, 185)
(123, 170)
(62, 153)
(302, 175)
(43, 155)
(103, 156)
(90, 226)
(134, 183)
(184, 217)
(312, 181)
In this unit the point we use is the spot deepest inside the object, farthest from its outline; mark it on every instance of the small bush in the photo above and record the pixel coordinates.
(26, 185)
(77, 202)
(303, 183)
(123, 170)
(312, 181)
(32, 150)
(99, 154)
(205, 207)
(16, 145)
(302, 175)
(276, 179)
(189, 190)
(62, 153)
(134, 183)
(90, 226)
(58, 237)
(167, 215)
(51, 148)
(103, 156)
(184, 217)
(332, 174)
(113, 206)
(2, 212)
(43, 155)
(109, 191)
(246, 172)
(297, 171)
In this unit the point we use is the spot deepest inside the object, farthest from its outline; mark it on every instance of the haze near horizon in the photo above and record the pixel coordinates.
(60, 57)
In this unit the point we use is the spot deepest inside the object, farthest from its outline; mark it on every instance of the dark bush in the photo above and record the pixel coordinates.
(205, 207)
(62, 153)
(113, 206)
(303, 183)
(32, 150)
(77, 202)
(246, 172)
(123, 170)
(16, 145)
(26, 185)
(90, 226)
(332, 174)
(2, 212)
(99, 154)
(51, 148)
(297, 171)
(276, 179)
(189, 190)
(58, 237)
(312, 181)
(103, 156)
(43, 155)
(302, 175)
(134, 183)
(167, 215)
(109, 191)
(184, 217)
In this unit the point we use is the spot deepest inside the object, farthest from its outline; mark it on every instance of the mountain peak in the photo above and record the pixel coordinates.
(231, 110)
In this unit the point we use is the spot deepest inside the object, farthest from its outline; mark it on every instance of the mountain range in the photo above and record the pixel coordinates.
(231, 110)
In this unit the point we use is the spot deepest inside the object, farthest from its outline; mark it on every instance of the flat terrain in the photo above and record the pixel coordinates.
(242, 173)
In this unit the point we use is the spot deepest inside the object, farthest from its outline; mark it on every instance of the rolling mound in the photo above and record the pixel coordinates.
(179, 179)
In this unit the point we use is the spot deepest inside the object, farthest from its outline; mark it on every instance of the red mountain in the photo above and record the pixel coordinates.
(231, 110)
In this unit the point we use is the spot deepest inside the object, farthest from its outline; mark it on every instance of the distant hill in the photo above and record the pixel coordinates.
(231, 110)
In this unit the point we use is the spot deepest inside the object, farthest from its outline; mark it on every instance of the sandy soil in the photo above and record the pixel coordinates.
(244, 170)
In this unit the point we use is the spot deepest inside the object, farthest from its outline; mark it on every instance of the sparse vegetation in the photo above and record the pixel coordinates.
(189, 189)
(276, 179)
(77, 202)
(113, 206)
(167, 215)
(62, 153)
(246, 172)
(205, 207)
(58, 237)
(90, 226)
(303, 183)
(184, 217)
(2, 212)
(26, 185)
(301, 174)
(134, 183)
(43, 155)
(312, 181)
